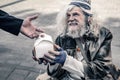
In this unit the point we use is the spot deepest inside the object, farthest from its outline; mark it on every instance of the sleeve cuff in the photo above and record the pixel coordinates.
(73, 66)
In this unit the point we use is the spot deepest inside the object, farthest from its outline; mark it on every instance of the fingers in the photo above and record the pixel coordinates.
(45, 62)
(55, 53)
(34, 58)
(51, 56)
(48, 59)
(39, 30)
(33, 52)
(34, 55)
(33, 17)
(35, 34)
(58, 48)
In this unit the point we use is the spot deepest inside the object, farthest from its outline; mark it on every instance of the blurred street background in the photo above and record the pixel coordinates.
(16, 61)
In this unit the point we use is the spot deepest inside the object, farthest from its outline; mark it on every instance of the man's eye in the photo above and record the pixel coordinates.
(75, 14)
(68, 15)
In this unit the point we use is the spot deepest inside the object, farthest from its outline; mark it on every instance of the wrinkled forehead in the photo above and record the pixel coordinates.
(73, 9)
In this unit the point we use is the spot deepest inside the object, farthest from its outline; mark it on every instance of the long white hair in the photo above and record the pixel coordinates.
(61, 19)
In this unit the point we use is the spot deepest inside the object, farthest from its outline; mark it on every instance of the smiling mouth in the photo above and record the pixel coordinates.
(72, 24)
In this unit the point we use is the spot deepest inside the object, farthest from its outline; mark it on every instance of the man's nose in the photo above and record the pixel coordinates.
(71, 18)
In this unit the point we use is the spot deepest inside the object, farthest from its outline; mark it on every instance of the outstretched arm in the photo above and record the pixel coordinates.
(15, 25)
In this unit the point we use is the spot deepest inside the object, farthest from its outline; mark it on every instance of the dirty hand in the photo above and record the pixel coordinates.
(57, 56)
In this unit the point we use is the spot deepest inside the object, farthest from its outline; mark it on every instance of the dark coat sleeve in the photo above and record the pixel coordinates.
(100, 66)
(9, 23)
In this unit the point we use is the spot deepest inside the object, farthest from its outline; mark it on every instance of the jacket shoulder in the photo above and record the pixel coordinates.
(105, 32)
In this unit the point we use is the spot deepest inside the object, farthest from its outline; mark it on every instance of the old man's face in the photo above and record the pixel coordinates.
(75, 22)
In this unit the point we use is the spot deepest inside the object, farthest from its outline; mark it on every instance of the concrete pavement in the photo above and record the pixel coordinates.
(15, 51)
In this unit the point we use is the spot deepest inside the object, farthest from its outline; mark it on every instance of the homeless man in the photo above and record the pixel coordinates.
(84, 51)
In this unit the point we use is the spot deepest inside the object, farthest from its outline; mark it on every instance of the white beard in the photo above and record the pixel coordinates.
(75, 33)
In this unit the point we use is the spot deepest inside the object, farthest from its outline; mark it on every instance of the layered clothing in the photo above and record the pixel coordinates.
(97, 52)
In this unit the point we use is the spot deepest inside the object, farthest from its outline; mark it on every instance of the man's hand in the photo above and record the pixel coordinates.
(39, 60)
(58, 56)
(28, 29)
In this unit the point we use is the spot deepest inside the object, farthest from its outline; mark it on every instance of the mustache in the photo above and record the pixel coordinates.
(72, 22)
